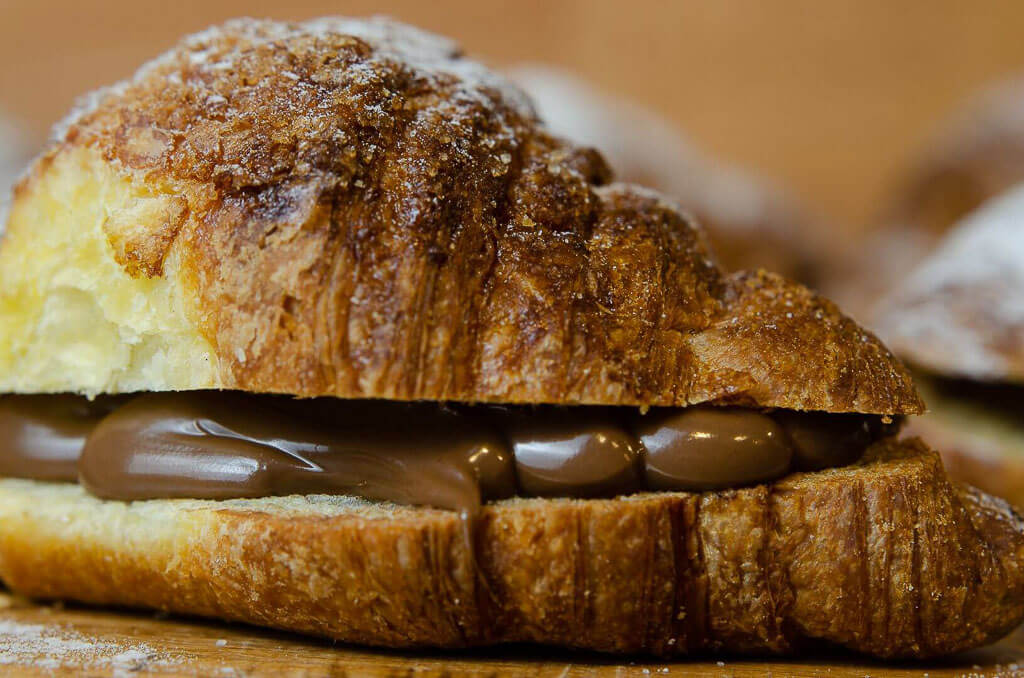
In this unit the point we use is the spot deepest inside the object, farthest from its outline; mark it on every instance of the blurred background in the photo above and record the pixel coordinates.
(832, 100)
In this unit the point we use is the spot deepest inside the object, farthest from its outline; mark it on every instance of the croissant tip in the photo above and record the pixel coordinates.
(1000, 530)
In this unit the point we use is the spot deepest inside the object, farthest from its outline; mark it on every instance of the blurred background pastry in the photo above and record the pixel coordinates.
(976, 154)
(958, 318)
(751, 222)
(947, 264)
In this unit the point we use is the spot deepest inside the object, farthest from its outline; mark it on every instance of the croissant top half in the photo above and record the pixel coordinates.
(352, 208)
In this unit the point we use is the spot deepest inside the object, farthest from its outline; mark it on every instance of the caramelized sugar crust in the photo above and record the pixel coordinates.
(355, 209)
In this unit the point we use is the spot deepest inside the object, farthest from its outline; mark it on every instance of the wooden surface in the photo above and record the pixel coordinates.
(40, 640)
(831, 98)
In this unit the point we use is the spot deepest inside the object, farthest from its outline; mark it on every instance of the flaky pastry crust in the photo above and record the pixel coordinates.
(884, 557)
(352, 208)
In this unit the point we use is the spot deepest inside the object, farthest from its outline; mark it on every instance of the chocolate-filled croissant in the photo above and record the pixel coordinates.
(381, 360)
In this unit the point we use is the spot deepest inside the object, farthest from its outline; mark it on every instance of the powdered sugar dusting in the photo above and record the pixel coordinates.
(52, 647)
(426, 53)
(962, 310)
(987, 244)
(85, 104)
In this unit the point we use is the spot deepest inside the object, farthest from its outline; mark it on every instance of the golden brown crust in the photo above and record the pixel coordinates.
(885, 557)
(371, 215)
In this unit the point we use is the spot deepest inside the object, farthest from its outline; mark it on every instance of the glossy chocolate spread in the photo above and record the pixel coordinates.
(41, 436)
(219, 445)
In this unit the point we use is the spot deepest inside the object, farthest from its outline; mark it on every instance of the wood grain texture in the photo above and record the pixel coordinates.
(183, 647)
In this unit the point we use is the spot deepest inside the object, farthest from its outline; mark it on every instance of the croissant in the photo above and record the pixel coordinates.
(315, 326)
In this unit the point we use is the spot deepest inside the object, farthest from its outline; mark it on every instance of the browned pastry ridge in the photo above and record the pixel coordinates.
(884, 557)
(392, 221)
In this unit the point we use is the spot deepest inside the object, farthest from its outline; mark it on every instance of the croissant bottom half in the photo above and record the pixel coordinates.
(885, 557)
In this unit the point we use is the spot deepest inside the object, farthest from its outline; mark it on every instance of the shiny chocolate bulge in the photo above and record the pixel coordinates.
(220, 445)
(708, 448)
(41, 436)
(211, 445)
(573, 452)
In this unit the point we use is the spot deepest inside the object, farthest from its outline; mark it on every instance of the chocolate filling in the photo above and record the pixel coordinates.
(219, 445)
(41, 436)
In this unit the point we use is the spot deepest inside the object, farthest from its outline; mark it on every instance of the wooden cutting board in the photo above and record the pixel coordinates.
(54, 641)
